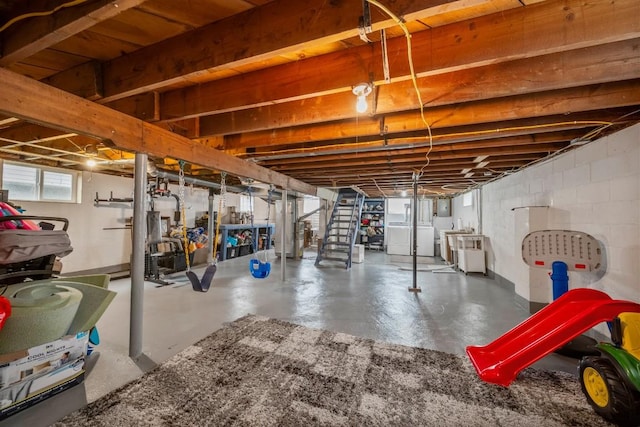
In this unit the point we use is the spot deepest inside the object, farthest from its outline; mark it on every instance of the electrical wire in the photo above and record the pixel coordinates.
(378, 187)
(598, 131)
(585, 138)
(412, 71)
(36, 14)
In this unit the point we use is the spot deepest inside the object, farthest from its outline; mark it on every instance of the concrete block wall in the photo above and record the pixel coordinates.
(594, 189)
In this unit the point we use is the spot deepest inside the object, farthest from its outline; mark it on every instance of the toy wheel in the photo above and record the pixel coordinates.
(607, 393)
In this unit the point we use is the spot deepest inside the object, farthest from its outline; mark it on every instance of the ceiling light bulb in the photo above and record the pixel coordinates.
(361, 104)
(404, 193)
(362, 90)
(91, 163)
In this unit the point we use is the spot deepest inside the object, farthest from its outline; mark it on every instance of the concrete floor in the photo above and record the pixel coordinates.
(370, 300)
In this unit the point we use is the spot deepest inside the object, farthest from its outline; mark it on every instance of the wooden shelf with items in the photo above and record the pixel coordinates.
(372, 223)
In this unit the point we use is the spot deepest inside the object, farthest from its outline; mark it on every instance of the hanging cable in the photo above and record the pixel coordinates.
(414, 79)
(183, 218)
(223, 188)
(378, 187)
(385, 56)
(36, 14)
(221, 204)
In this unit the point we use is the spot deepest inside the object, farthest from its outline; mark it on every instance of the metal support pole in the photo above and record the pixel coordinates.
(211, 229)
(296, 230)
(137, 257)
(414, 245)
(283, 234)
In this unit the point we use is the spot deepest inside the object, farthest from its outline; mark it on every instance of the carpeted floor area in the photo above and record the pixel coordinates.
(260, 371)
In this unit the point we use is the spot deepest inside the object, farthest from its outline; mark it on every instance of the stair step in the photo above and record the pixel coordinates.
(342, 228)
(333, 259)
(338, 251)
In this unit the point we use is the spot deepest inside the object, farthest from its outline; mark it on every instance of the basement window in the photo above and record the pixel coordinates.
(246, 204)
(30, 183)
(467, 199)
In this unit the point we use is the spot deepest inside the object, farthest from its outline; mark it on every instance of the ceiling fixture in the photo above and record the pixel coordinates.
(91, 150)
(362, 90)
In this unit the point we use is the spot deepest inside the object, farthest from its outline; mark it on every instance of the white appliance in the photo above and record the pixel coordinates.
(426, 239)
(398, 239)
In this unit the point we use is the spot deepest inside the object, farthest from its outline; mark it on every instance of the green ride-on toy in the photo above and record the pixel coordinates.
(611, 381)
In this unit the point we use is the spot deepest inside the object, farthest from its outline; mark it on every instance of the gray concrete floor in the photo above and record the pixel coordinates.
(370, 300)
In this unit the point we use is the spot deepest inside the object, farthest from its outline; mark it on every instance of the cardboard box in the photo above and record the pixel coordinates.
(45, 370)
(358, 254)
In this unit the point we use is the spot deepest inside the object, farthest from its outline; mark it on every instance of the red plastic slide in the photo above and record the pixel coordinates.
(5, 310)
(555, 325)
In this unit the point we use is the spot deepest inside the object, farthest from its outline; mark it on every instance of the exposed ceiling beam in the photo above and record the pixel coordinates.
(226, 44)
(560, 102)
(383, 151)
(585, 121)
(34, 101)
(392, 160)
(478, 42)
(39, 33)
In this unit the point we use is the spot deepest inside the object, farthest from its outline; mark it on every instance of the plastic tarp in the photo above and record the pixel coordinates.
(24, 245)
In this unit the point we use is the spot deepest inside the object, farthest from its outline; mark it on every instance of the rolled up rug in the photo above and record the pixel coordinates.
(40, 313)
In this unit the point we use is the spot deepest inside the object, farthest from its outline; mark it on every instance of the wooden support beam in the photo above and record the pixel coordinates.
(473, 43)
(392, 152)
(584, 121)
(276, 28)
(418, 160)
(34, 101)
(600, 64)
(560, 102)
(84, 80)
(39, 33)
(143, 106)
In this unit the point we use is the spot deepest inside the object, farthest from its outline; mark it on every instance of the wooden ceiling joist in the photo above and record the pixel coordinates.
(40, 33)
(542, 138)
(561, 102)
(416, 160)
(225, 44)
(30, 100)
(491, 42)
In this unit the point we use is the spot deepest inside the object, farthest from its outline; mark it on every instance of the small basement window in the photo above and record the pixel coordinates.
(36, 183)
(467, 199)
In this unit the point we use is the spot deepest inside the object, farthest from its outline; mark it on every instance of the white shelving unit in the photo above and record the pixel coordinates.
(471, 257)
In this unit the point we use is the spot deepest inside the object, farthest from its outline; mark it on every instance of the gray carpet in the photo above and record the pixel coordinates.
(259, 371)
